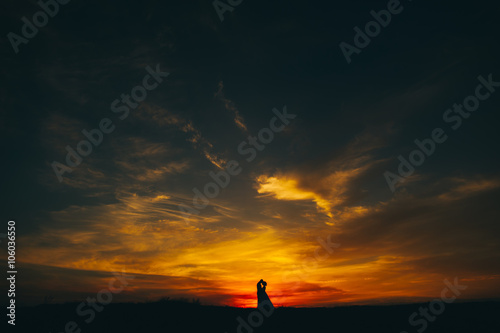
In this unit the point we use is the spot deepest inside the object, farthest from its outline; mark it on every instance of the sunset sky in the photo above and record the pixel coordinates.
(320, 179)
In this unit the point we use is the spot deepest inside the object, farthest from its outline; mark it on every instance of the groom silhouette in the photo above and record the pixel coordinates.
(262, 298)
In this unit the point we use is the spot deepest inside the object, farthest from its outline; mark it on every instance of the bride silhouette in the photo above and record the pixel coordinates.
(262, 298)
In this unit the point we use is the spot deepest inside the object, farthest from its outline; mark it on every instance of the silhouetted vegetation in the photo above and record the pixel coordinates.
(184, 315)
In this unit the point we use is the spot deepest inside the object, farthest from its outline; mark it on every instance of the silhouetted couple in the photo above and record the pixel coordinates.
(262, 298)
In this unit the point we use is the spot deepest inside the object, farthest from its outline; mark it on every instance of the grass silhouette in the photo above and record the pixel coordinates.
(184, 315)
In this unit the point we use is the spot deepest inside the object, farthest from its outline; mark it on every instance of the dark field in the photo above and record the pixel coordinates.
(174, 316)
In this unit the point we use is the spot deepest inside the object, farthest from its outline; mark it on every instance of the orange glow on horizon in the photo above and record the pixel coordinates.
(221, 266)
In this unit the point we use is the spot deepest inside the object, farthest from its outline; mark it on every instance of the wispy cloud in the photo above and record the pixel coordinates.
(231, 107)
(469, 187)
(162, 117)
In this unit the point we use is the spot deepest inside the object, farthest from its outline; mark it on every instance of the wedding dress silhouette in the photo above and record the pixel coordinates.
(262, 298)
